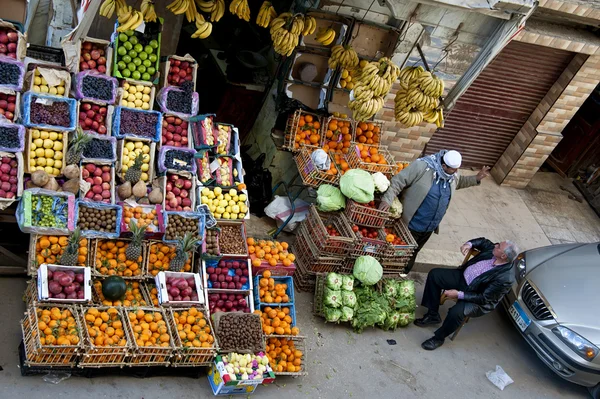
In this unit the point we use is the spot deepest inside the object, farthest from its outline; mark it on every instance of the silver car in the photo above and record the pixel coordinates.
(555, 304)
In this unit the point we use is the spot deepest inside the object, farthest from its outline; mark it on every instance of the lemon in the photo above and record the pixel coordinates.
(223, 203)
(211, 195)
(226, 215)
(31, 163)
(130, 164)
(220, 197)
(37, 88)
(35, 134)
(131, 104)
(49, 162)
(139, 95)
(33, 147)
(139, 88)
(218, 215)
(145, 177)
(131, 98)
(145, 98)
(227, 197)
(39, 168)
(212, 208)
(58, 146)
(205, 191)
(344, 74)
(48, 143)
(38, 142)
(218, 191)
(41, 161)
(241, 215)
(53, 91)
(37, 81)
(145, 106)
(232, 192)
(146, 149)
(124, 168)
(125, 86)
(228, 209)
(145, 167)
(130, 146)
(53, 136)
(49, 170)
(56, 172)
(32, 154)
(60, 90)
(234, 215)
(49, 153)
(242, 197)
(44, 134)
(58, 155)
(138, 103)
(43, 81)
(44, 89)
(235, 208)
(147, 90)
(220, 209)
(36, 72)
(125, 151)
(138, 144)
(132, 89)
(232, 203)
(58, 164)
(60, 136)
(40, 152)
(123, 103)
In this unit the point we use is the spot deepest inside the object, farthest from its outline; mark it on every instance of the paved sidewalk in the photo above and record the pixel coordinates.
(540, 215)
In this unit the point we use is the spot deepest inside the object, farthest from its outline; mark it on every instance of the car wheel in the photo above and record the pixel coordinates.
(595, 391)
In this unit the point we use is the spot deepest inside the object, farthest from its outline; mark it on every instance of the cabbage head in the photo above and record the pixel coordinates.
(391, 321)
(332, 315)
(332, 298)
(406, 289)
(330, 198)
(358, 185)
(333, 281)
(390, 288)
(348, 299)
(347, 314)
(406, 319)
(347, 282)
(367, 270)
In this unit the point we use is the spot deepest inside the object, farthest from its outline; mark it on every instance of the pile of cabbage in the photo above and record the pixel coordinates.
(339, 299)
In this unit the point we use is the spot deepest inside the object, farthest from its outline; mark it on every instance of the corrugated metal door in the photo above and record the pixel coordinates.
(491, 112)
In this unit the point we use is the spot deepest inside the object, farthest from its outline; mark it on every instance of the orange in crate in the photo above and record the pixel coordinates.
(49, 249)
(273, 252)
(283, 355)
(277, 321)
(269, 292)
(338, 135)
(368, 133)
(307, 132)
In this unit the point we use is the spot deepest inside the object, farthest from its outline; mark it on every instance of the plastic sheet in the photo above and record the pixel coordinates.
(163, 95)
(99, 205)
(80, 91)
(62, 211)
(499, 378)
(121, 134)
(185, 166)
(16, 84)
(11, 128)
(28, 121)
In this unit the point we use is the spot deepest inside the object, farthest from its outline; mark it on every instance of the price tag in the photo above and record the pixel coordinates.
(43, 101)
(214, 165)
(141, 28)
(179, 162)
(370, 248)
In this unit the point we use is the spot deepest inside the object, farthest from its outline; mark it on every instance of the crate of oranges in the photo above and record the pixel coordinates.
(150, 216)
(106, 343)
(51, 335)
(268, 254)
(340, 161)
(310, 174)
(278, 320)
(160, 256)
(338, 134)
(287, 354)
(48, 249)
(368, 133)
(152, 339)
(134, 295)
(372, 159)
(110, 259)
(195, 344)
(273, 290)
(302, 129)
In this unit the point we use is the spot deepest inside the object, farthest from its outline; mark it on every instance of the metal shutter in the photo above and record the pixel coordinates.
(491, 112)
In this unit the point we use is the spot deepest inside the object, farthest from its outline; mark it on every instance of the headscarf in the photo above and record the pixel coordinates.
(434, 161)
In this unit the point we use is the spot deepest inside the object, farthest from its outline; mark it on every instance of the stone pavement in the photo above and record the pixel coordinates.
(540, 215)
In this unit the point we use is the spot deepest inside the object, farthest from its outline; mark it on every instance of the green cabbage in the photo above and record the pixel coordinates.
(332, 298)
(347, 314)
(407, 289)
(390, 288)
(347, 282)
(333, 281)
(367, 270)
(330, 198)
(391, 321)
(406, 305)
(332, 315)
(406, 319)
(348, 299)
(357, 185)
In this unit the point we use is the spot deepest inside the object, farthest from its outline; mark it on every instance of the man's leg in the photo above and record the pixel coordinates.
(421, 239)
(437, 280)
(453, 320)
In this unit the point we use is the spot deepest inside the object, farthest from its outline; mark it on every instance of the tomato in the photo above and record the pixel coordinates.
(355, 228)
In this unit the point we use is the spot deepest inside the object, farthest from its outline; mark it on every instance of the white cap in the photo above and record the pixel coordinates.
(453, 159)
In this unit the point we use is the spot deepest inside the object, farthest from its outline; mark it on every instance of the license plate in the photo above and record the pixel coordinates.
(519, 316)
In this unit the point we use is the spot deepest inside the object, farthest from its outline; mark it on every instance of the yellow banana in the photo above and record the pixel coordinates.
(131, 23)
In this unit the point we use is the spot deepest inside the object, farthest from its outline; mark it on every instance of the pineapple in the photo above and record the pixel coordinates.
(77, 145)
(69, 257)
(134, 173)
(181, 253)
(134, 249)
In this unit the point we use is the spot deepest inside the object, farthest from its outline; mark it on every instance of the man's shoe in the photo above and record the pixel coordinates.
(428, 319)
(432, 344)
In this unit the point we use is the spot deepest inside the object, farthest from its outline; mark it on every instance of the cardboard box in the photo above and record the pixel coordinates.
(25, 213)
(324, 21)
(163, 295)
(312, 97)
(17, 95)
(28, 142)
(121, 92)
(373, 41)
(42, 281)
(19, 157)
(10, 11)
(339, 102)
(199, 201)
(73, 63)
(222, 384)
(192, 191)
(119, 164)
(54, 76)
(324, 74)
(166, 66)
(107, 118)
(84, 186)
(163, 139)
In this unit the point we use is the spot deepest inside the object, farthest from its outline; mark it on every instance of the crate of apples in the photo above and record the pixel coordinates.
(179, 70)
(136, 94)
(9, 39)
(175, 132)
(229, 302)
(8, 104)
(94, 55)
(179, 192)
(10, 179)
(101, 179)
(94, 117)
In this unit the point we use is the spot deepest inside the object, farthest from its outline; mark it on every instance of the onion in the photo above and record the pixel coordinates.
(191, 282)
(50, 274)
(54, 287)
(57, 274)
(80, 294)
(170, 297)
(187, 291)
(194, 296)
(182, 285)
(177, 298)
(79, 277)
(72, 295)
(186, 298)
(69, 289)
(173, 291)
(60, 296)
(65, 280)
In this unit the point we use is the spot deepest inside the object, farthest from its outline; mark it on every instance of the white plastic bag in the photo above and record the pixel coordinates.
(499, 378)
(280, 209)
(321, 159)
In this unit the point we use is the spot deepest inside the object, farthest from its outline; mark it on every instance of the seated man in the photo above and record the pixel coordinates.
(478, 286)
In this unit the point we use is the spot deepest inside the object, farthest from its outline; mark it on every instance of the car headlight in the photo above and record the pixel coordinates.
(520, 267)
(576, 342)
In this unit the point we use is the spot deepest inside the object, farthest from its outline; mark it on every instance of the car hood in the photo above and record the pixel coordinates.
(569, 283)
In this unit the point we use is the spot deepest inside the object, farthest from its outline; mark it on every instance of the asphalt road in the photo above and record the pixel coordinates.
(341, 364)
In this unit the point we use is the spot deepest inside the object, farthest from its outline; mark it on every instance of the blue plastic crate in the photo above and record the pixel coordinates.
(99, 205)
(26, 111)
(215, 262)
(189, 215)
(278, 280)
(282, 305)
(116, 124)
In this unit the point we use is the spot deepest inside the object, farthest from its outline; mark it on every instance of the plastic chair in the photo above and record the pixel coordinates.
(472, 253)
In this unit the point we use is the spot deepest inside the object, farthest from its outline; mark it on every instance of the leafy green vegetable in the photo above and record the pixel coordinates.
(391, 321)
(367, 270)
(406, 319)
(348, 299)
(332, 315)
(347, 282)
(390, 288)
(347, 314)
(371, 309)
(332, 298)
(333, 281)
(407, 289)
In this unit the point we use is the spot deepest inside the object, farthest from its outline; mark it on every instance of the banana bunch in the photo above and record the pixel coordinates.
(391, 71)
(364, 109)
(409, 118)
(129, 19)
(378, 76)
(203, 28)
(310, 24)
(420, 100)
(216, 8)
(241, 9)
(284, 40)
(148, 11)
(266, 14)
(184, 6)
(107, 8)
(343, 56)
(430, 84)
(409, 73)
(435, 115)
(326, 36)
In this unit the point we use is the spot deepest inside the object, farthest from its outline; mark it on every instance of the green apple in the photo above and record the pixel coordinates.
(154, 43)
(132, 54)
(138, 47)
(121, 65)
(129, 32)
(151, 70)
(136, 75)
(141, 69)
(122, 37)
(152, 58)
(121, 51)
(128, 46)
(131, 66)
(126, 73)
(149, 49)
(126, 59)
(143, 55)
(133, 40)
(146, 63)
(137, 61)
(146, 76)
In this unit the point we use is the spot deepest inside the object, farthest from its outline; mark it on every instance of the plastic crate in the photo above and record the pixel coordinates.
(376, 124)
(399, 251)
(28, 97)
(365, 216)
(308, 255)
(312, 176)
(289, 141)
(203, 131)
(116, 124)
(319, 291)
(347, 266)
(356, 162)
(337, 137)
(325, 243)
(299, 344)
(369, 246)
(186, 215)
(99, 205)
(278, 280)
(283, 305)
(46, 53)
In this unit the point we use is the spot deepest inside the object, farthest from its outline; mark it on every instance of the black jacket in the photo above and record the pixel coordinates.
(486, 291)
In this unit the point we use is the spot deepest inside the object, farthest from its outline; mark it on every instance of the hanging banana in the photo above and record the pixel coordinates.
(310, 24)
(107, 8)
(241, 9)
(148, 11)
(285, 32)
(203, 28)
(343, 56)
(266, 14)
(187, 7)
(129, 19)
